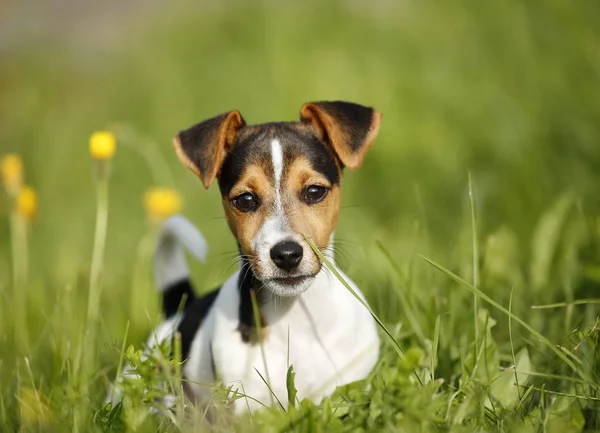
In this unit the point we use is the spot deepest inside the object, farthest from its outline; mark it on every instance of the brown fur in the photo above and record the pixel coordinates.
(346, 130)
(330, 135)
(245, 225)
(317, 221)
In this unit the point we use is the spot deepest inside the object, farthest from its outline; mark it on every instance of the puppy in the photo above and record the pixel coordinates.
(279, 183)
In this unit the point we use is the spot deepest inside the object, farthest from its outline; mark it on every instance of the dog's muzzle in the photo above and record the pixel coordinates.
(287, 255)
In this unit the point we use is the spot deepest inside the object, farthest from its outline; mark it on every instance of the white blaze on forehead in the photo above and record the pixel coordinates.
(275, 228)
(277, 160)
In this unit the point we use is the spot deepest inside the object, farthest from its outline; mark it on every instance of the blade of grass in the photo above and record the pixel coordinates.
(290, 384)
(3, 411)
(235, 394)
(270, 389)
(552, 376)
(512, 346)
(475, 258)
(560, 353)
(178, 371)
(524, 397)
(564, 394)
(567, 304)
(406, 304)
(120, 365)
(434, 348)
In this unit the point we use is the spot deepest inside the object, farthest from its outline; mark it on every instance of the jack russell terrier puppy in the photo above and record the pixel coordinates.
(279, 182)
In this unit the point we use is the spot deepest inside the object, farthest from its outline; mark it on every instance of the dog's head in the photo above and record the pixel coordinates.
(280, 181)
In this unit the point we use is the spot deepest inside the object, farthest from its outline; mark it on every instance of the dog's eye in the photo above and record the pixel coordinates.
(314, 194)
(246, 202)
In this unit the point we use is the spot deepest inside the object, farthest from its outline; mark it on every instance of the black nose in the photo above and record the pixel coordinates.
(286, 255)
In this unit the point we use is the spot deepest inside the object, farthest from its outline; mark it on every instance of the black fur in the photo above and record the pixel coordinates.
(196, 309)
(354, 118)
(193, 316)
(176, 297)
(236, 160)
(256, 147)
(197, 141)
(320, 157)
(246, 284)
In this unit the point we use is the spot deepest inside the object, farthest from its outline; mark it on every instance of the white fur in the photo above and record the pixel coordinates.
(277, 161)
(321, 330)
(330, 337)
(170, 265)
(275, 229)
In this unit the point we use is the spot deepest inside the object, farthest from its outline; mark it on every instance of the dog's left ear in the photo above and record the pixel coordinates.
(349, 128)
(203, 147)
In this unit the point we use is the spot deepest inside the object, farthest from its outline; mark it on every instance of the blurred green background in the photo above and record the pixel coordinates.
(507, 91)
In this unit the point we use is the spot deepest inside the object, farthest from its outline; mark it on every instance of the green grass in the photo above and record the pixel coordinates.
(473, 226)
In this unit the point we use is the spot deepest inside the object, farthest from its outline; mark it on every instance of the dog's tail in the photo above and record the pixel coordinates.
(171, 272)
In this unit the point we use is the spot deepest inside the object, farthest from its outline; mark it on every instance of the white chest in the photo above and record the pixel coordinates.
(328, 337)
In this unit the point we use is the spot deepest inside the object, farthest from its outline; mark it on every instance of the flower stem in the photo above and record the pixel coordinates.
(95, 289)
(14, 237)
(138, 299)
(18, 229)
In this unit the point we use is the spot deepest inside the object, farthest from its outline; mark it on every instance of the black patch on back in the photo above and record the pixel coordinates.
(176, 297)
(256, 145)
(193, 317)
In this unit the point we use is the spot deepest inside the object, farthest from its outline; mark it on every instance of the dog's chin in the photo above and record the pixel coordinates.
(288, 286)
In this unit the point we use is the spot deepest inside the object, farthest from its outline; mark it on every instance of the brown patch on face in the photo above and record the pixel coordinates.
(316, 221)
(245, 225)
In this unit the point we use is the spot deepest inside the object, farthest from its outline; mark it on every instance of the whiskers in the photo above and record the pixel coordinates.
(246, 267)
(340, 248)
(233, 258)
(260, 294)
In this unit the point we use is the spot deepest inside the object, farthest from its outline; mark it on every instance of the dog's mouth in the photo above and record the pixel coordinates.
(292, 281)
(289, 285)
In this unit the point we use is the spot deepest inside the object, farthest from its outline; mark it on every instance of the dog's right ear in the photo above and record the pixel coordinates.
(203, 147)
(349, 128)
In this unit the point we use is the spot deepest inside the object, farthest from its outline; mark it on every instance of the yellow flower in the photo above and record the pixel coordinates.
(12, 172)
(161, 203)
(27, 203)
(102, 145)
